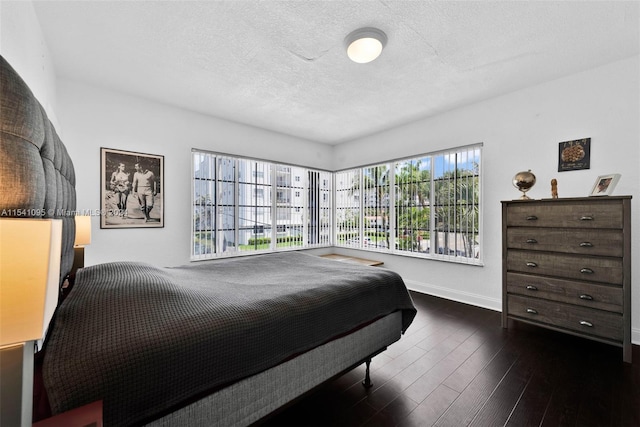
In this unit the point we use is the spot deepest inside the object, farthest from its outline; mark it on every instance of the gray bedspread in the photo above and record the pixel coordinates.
(147, 340)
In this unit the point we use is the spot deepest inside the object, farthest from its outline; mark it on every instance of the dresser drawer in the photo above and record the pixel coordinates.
(596, 214)
(588, 242)
(580, 267)
(579, 319)
(602, 297)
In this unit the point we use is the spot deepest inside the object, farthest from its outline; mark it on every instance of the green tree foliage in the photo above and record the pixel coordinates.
(454, 205)
(413, 184)
(457, 209)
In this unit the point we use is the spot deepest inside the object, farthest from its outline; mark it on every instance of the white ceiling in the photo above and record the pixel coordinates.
(281, 65)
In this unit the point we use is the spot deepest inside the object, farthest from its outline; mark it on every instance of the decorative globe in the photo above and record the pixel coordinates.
(523, 181)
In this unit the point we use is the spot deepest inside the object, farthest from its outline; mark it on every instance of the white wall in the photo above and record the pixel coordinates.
(521, 131)
(23, 46)
(94, 118)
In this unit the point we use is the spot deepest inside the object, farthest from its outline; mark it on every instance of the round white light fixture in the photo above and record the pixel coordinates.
(365, 45)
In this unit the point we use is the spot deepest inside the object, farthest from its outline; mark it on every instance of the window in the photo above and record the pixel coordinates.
(456, 203)
(347, 184)
(413, 205)
(245, 205)
(320, 209)
(426, 206)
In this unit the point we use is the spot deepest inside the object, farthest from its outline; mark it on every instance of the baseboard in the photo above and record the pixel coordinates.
(464, 297)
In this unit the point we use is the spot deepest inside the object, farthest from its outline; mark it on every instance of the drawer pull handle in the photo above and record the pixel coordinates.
(585, 323)
(532, 241)
(531, 264)
(531, 288)
(586, 218)
(531, 311)
(532, 218)
(586, 245)
(586, 271)
(586, 297)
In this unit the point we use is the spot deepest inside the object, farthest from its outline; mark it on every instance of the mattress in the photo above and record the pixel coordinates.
(149, 340)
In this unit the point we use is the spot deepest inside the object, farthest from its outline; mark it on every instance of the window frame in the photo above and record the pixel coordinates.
(360, 242)
(288, 213)
(377, 205)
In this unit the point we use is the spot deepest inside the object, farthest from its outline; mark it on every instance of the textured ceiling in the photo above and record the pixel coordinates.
(281, 65)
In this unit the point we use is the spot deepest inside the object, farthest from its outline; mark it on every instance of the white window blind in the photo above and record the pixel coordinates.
(456, 195)
(204, 202)
(375, 205)
(413, 205)
(426, 206)
(320, 209)
(245, 205)
(347, 195)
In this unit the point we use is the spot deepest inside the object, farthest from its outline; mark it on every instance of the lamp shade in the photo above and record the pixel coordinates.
(29, 276)
(365, 44)
(83, 230)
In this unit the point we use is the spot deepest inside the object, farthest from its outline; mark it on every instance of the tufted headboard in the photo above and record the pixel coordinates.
(37, 178)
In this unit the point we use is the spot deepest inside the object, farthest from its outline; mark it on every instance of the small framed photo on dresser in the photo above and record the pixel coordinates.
(605, 184)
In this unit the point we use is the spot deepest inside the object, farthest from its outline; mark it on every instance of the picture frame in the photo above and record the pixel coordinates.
(605, 184)
(574, 155)
(131, 189)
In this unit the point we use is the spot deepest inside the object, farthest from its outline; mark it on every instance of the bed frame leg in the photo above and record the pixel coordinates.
(367, 377)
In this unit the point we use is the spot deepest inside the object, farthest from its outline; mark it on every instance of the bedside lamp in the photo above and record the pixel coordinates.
(30, 252)
(83, 238)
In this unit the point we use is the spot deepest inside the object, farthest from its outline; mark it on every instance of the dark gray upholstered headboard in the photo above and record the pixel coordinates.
(37, 178)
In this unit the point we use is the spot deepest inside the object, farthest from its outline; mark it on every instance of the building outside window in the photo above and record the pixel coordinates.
(245, 205)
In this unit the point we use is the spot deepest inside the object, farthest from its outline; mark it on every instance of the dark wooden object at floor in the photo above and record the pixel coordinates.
(456, 366)
(567, 266)
(85, 416)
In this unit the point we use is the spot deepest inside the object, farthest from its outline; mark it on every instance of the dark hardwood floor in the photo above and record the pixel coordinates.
(456, 366)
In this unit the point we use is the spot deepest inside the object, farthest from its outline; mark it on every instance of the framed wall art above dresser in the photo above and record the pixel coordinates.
(566, 265)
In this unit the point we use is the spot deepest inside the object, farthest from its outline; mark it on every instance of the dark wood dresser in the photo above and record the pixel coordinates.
(566, 265)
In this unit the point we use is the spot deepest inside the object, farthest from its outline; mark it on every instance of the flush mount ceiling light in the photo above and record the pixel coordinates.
(365, 45)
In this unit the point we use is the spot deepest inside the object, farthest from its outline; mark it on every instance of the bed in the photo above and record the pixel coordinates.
(222, 342)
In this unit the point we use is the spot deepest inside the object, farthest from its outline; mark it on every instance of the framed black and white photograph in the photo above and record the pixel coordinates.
(131, 189)
(605, 184)
(574, 155)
